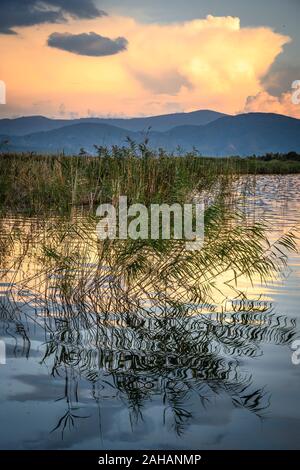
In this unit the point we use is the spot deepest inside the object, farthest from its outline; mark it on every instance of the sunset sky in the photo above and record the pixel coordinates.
(78, 58)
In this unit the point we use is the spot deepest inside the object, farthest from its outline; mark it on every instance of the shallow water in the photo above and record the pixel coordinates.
(210, 381)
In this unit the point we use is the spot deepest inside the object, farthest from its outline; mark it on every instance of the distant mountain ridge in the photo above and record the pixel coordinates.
(244, 134)
(32, 124)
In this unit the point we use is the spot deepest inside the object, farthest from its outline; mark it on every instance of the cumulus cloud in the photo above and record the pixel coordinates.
(18, 13)
(89, 44)
(264, 102)
(170, 84)
(277, 93)
(280, 78)
(209, 63)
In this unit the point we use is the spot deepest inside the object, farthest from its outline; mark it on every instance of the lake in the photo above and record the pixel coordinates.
(111, 368)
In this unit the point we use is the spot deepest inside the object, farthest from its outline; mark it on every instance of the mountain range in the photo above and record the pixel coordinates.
(33, 124)
(211, 133)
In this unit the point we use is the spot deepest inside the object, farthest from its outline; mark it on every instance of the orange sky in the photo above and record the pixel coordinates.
(205, 63)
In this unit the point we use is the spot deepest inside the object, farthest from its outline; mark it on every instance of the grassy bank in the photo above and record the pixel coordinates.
(32, 182)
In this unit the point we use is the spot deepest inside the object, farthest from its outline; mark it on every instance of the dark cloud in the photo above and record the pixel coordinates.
(15, 13)
(280, 77)
(89, 44)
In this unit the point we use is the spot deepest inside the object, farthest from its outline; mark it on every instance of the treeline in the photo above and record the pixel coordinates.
(284, 157)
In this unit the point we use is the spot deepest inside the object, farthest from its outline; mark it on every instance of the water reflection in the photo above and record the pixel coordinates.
(102, 328)
(133, 360)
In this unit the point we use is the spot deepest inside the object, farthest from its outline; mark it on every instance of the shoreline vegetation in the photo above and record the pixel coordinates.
(151, 310)
(33, 183)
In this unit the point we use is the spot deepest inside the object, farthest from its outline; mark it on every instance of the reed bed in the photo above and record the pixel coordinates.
(32, 183)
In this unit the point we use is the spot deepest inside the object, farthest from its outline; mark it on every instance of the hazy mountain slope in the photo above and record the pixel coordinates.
(244, 134)
(247, 134)
(70, 139)
(27, 125)
(33, 124)
(166, 122)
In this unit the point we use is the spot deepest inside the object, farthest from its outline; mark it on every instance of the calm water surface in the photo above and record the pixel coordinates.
(217, 381)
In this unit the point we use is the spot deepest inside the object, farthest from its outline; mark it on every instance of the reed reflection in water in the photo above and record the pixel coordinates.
(128, 325)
